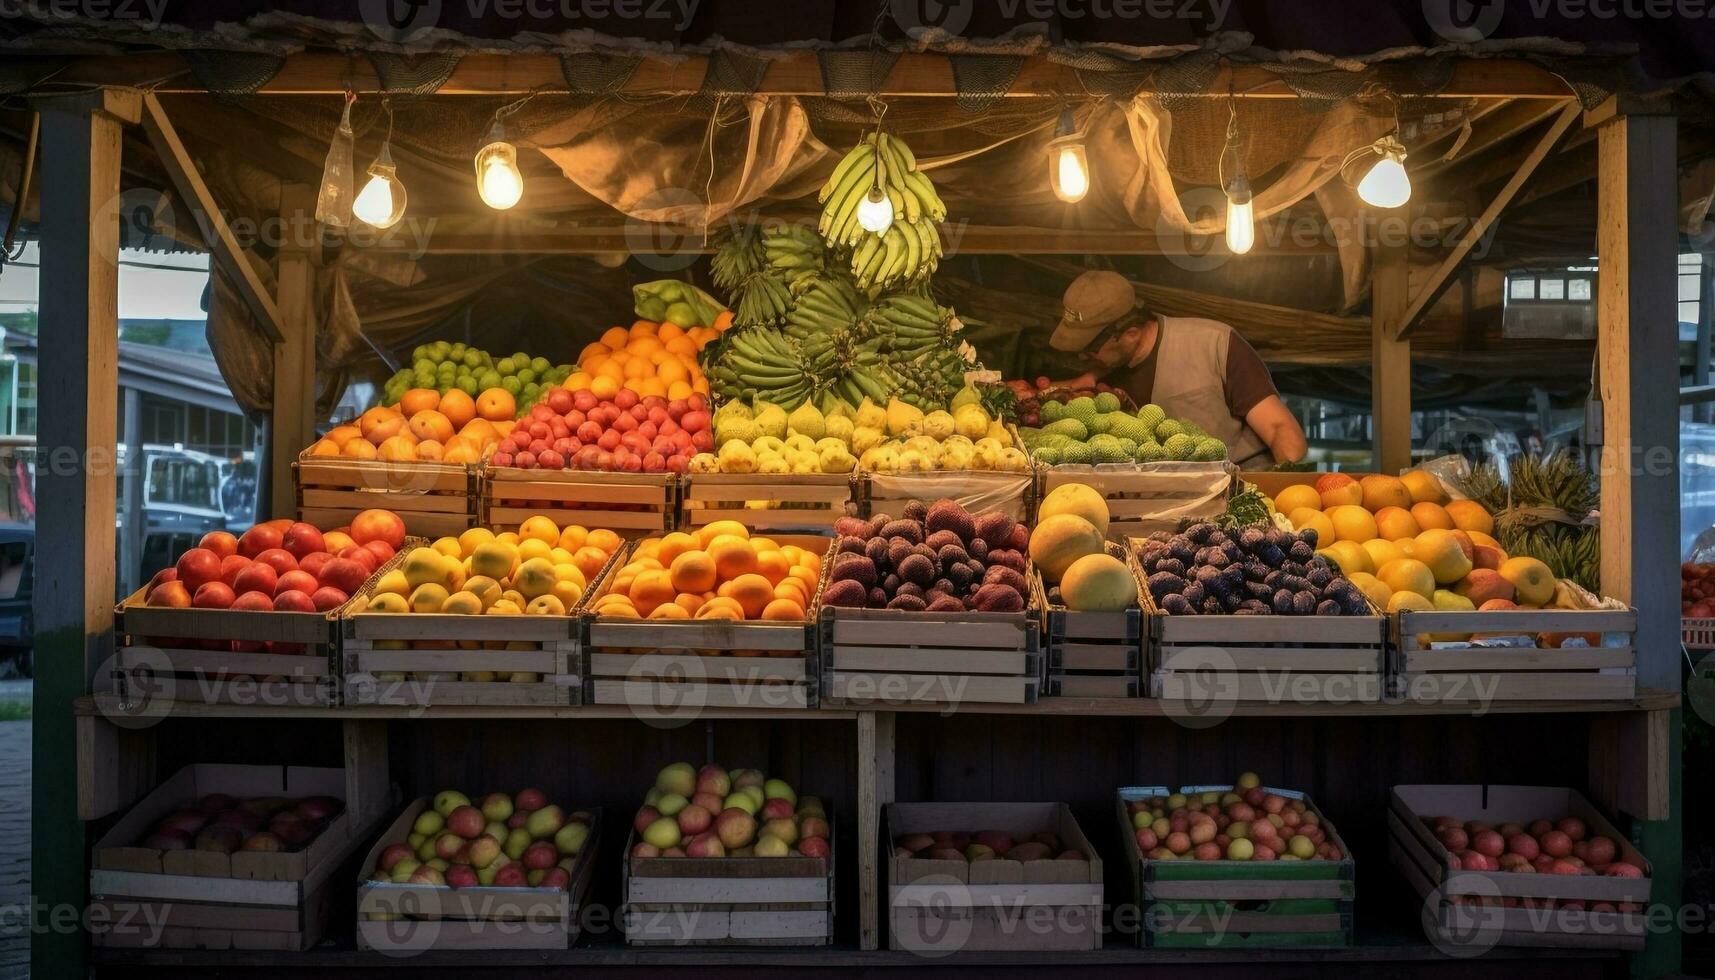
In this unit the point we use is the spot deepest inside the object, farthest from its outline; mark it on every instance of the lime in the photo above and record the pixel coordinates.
(540, 365)
(526, 376)
(424, 380)
(420, 352)
(456, 352)
(511, 384)
(505, 366)
(489, 378)
(473, 358)
(683, 315)
(467, 384)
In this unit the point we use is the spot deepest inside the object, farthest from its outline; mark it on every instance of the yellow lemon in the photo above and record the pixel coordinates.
(539, 529)
(393, 583)
(470, 540)
(448, 546)
(428, 598)
(423, 566)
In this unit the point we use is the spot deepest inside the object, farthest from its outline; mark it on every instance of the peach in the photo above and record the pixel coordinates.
(1487, 556)
(1483, 585)
(1381, 491)
(1338, 489)
(1430, 515)
(1393, 523)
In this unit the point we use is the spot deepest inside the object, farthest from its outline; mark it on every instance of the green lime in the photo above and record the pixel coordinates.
(423, 365)
(540, 365)
(440, 349)
(467, 384)
(456, 352)
(511, 384)
(489, 378)
(520, 358)
(505, 366)
(682, 314)
(473, 358)
(526, 376)
(424, 380)
(420, 352)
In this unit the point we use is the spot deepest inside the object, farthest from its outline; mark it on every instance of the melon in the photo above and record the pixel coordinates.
(1098, 583)
(1061, 540)
(1079, 499)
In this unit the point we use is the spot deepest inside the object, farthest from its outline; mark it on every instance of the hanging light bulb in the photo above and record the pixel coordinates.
(1386, 185)
(1241, 222)
(875, 211)
(1068, 167)
(498, 180)
(381, 203)
(333, 200)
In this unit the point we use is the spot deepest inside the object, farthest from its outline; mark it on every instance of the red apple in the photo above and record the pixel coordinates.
(293, 601)
(382, 551)
(1571, 826)
(327, 598)
(393, 855)
(258, 539)
(280, 558)
(345, 574)
(314, 562)
(197, 567)
(540, 855)
(530, 799)
(302, 540)
(214, 595)
(1556, 843)
(254, 601)
(361, 555)
(296, 580)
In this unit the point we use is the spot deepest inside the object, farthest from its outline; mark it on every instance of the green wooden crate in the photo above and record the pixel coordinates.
(1239, 904)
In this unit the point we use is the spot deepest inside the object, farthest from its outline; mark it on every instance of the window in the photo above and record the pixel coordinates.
(1690, 286)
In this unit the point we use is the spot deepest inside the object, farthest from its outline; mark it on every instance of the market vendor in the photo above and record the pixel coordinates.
(1194, 368)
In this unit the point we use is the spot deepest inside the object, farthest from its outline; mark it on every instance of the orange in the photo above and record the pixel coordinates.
(733, 556)
(324, 447)
(397, 449)
(430, 449)
(753, 593)
(589, 561)
(495, 404)
(458, 407)
(615, 338)
(607, 541)
(773, 564)
(675, 544)
(651, 588)
(419, 400)
(358, 449)
(783, 610)
(1431, 516)
(592, 349)
(808, 576)
(604, 387)
(708, 532)
(431, 424)
(678, 391)
(339, 435)
(693, 571)
(669, 610)
(380, 424)
(642, 328)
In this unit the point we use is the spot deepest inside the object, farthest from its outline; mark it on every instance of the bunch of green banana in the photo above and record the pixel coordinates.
(793, 252)
(1540, 510)
(914, 325)
(873, 381)
(759, 362)
(761, 298)
(910, 248)
(828, 304)
(738, 256)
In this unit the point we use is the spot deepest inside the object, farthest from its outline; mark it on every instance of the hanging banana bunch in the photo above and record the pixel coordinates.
(793, 252)
(912, 324)
(909, 248)
(739, 254)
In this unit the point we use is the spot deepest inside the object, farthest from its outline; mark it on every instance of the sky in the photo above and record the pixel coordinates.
(152, 286)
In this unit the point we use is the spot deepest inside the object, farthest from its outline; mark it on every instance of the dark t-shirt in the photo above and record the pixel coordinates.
(1248, 380)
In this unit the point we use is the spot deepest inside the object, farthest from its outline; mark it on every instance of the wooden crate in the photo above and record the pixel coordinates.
(1459, 905)
(1211, 660)
(186, 655)
(206, 900)
(1697, 632)
(888, 656)
(659, 664)
(807, 500)
(1235, 904)
(1145, 497)
(1511, 657)
(638, 502)
(976, 490)
(433, 499)
(941, 907)
(728, 901)
(1091, 654)
(406, 919)
(382, 663)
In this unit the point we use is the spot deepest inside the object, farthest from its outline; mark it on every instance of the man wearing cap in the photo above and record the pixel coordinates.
(1194, 368)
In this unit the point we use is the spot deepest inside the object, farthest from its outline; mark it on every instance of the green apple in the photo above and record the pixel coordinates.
(677, 778)
(663, 833)
(670, 804)
(778, 789)
(1301, 847)
(741, 800)
(756, 795)
(404, 869)
(1248, 780)
(1240, 849)
(769, 847)
(448, 800)
(546, 822)
(571, 838)
(429, 823)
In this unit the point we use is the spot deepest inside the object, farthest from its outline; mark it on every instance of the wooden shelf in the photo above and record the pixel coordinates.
(1646, 700)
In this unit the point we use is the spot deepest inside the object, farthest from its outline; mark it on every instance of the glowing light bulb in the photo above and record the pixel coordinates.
(875, 211)
(1386, 185)
(498, 180)
(1241, 225)
(381, 203)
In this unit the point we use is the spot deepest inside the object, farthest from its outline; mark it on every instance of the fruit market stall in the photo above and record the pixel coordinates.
(788, 436)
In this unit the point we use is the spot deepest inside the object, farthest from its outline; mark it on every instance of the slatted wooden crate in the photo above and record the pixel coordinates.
(1014, 494)
(939, 907)
(1697, 632)
(223, 656)
(1091, 654)
(889, 656)
(1480, 909)
(420, 659)
(728, 901)
(639, 502)
(192, 899)
(433, 499)
(1511, 655)
(805, 500)
(1205, 660)
(1235, 904)
(681, 665)
(1145, 497)
(404, 919)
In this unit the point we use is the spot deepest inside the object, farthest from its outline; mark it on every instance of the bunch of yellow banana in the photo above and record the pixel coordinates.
(910, 248)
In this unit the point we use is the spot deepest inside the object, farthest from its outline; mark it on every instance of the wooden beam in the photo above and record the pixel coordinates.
(76, 485)
(1638, 381)
(1442, 277)
(875, 791)
(294, 410)
(1390, 357)
(793, 73)
(183, 171)
(1476, 164)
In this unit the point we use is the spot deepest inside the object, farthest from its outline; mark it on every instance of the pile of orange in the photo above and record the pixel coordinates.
(718, 571)
(425, 425)
(650, 359)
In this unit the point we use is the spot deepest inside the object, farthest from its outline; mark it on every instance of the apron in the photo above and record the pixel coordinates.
(1190, 383)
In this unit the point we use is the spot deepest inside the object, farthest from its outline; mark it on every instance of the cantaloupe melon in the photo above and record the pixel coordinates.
(1061, 540)
(1098, 583)
(1079, 499)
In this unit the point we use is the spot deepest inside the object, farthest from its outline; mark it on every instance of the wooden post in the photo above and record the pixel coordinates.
(76, 482)
(294, 416)
(1637, 337)
(875, 790)
(1390, 358)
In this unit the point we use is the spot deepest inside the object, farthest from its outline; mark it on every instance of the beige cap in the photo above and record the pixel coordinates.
(1093, 301)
